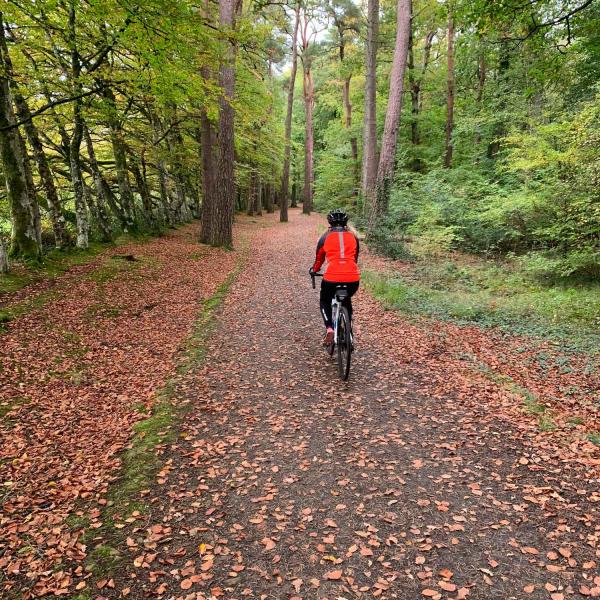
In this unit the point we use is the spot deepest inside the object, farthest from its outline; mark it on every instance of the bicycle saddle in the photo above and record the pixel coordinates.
(341, 294)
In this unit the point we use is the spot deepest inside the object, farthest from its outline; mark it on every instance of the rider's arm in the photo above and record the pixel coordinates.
(320, 257)
(357, 249)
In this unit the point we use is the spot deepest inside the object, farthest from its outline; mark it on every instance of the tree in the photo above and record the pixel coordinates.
(370, 159)
(309, 99)
(415, 80)
(385, 171)
(450, 92)
(221, 233)
(344, 15)
(25, 238)
(285, 184)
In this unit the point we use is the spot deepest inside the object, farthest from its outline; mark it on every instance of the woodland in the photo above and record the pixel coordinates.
(169, 424)
(468, 126)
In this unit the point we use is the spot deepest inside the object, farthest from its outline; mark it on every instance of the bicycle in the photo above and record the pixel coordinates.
(342, 331)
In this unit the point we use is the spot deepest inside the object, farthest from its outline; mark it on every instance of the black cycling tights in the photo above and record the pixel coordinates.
(328, 291)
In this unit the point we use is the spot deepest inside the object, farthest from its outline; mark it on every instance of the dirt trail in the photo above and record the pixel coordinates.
(285, 483)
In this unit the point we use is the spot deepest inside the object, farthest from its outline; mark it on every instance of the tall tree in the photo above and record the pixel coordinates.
(370, 160)
(309, 100)
(25, 241)
(4, 264)
(415, 80)
(450, 91)
(344, 15)
(75, 72)
(221, 233)
(285, 184)
(24, 115)
(387, 159)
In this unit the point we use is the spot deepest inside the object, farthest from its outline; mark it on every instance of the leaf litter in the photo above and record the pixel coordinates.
(415, 479)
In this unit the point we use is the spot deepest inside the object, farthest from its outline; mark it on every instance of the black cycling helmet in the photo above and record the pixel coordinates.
(337, 217)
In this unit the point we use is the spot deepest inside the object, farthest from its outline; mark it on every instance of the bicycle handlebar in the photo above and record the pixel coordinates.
(313, 275)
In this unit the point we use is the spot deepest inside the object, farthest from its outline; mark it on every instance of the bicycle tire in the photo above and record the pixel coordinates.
(344, 344)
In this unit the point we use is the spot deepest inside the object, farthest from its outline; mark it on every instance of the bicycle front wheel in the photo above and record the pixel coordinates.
(344, 344)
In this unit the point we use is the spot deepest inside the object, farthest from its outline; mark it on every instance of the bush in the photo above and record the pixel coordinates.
(549, 265)
(387, 242)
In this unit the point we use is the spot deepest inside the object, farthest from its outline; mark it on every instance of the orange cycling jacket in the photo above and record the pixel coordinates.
(340, 248)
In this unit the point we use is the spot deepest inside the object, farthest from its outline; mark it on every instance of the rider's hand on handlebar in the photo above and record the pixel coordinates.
(311, 271)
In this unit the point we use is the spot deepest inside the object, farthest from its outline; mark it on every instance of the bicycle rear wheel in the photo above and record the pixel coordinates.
(344, 344)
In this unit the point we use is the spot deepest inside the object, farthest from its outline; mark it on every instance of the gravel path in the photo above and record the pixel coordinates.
(288, 484)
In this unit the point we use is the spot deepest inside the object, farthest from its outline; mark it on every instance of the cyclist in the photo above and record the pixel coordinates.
(339, 247)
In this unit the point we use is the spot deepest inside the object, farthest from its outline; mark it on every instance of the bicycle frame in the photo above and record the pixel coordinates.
(335, 307)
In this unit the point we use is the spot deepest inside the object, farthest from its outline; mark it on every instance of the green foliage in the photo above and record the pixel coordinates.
(526, 137)
(494, 295)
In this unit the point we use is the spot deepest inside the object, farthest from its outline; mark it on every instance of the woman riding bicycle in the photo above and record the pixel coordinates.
(339, 247)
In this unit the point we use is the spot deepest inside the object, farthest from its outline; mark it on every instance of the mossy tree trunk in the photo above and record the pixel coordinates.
(24, 240)
(54, 208)
(81, 210)
(120, 153)
(4, 265)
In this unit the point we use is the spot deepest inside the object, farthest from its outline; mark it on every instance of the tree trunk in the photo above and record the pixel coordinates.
(207, 149)
(481, 74)
(348, 124)
(54, 209)
(499, 128)
(36, 217)
(309, 99)
(259, 192)
(387, 159)
(165, 199)
(415, 83)
(103, 191)
(99, 215)
(4, 266)
(346, 101)
(179, 211)
(24, 242)
(450, 94)
(269, 198)
(252, 191)
(369, 162)
(81, 212)
(208, 171)
(222, 233)
(294, 203)
(120, 153)
(308, 140)
(285, 182)
(144, 192)
(57, 218)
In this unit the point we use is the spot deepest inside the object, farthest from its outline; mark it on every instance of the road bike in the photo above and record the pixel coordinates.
(342, 330)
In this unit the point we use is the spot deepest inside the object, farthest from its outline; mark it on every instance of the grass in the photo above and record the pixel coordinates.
(140, 464)
(57, 262)
(105, 272)
(491, 294)
(16, 310)
(7, 407)
(54, 264)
